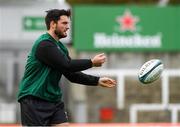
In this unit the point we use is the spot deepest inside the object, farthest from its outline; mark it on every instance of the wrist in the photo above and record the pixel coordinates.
(98, 81)
(92, 62)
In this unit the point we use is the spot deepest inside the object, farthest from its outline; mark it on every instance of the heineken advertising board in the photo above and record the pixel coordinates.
(126, 28)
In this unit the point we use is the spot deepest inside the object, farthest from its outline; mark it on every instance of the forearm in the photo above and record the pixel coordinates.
(81, 78)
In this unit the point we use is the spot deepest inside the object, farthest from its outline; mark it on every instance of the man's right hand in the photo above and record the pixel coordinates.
(98, 60)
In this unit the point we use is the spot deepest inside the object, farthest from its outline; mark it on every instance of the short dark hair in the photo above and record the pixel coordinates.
(54, 14)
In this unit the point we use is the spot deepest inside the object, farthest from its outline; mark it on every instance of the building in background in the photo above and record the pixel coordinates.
(129, 35)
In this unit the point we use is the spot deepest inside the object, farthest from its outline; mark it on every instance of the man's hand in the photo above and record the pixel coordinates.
(106, 82)
(98, 60)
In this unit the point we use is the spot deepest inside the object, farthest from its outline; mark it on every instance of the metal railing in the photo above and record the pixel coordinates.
(134, 108)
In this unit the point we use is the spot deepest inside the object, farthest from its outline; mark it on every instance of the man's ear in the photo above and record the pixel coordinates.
(53, 24)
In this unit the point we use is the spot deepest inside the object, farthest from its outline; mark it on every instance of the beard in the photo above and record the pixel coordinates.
(59, 34)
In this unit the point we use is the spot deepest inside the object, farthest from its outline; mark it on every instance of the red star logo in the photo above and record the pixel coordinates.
(127, 21)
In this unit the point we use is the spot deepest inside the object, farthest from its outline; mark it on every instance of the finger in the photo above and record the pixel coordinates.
(109, 85)
(104, 84)
(102, 54)
(114, 82)
(111, 81)
(102, 57)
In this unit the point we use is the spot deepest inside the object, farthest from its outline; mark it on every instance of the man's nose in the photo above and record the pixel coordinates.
(68, 26)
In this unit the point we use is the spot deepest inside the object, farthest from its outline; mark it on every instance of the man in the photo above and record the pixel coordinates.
(39, 93)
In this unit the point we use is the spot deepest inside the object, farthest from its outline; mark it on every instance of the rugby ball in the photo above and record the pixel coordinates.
(150, 71)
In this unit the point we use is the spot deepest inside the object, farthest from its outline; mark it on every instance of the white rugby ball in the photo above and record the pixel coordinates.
(150, 71)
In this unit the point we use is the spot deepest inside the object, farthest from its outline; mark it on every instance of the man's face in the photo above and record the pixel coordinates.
(62, 26)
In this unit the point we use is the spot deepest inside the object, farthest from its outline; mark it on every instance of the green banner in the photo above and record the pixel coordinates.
(126, 28)
(35, 23)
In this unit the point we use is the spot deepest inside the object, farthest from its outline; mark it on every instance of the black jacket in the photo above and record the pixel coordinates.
(48, 53)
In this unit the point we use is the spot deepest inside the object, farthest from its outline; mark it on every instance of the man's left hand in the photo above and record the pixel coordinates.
(106, 82)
